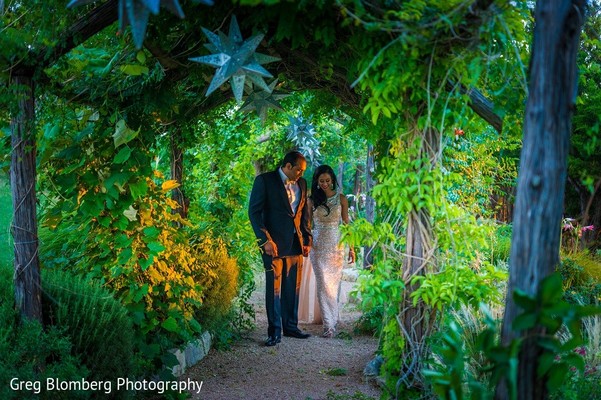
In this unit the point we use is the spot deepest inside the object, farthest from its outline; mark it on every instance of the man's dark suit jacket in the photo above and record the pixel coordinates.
(272, 218)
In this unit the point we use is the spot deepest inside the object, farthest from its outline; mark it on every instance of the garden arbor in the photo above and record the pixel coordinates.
(412, 65)
(304, 61)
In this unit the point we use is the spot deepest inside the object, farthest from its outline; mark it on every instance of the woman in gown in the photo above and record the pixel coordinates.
(329, 209)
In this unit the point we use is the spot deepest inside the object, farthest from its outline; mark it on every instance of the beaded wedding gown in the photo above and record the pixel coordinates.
(327, 260)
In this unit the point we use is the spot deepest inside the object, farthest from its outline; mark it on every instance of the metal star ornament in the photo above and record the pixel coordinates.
(302, 133)
(261, 100)
(136, 13)
(235, 60)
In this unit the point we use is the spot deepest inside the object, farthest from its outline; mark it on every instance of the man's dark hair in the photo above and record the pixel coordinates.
(292, 157)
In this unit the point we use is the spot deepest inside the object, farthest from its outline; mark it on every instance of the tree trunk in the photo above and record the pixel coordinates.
(359, 172)
(542, 176)
(370, 203)
(416, 320)
(501, 203)
(24, 227)
(177, 173)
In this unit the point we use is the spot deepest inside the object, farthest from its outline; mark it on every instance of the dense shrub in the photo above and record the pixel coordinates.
(29, 352)
(219, 279)
(142, 255)
(579, 283)
(99, 326)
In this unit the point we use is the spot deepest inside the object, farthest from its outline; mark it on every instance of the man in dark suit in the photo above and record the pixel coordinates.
(279, 215)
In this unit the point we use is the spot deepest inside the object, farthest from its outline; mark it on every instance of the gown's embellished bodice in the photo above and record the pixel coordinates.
(326, 232)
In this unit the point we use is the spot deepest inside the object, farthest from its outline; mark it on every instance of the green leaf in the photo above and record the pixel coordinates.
(122, 156)
(524, 321)
(141, 292)
(156, 247)
(138, 189)
(123, 134)
(589, 311)
(170, 324)
(118, 179)
(134, 69)
(116, 271)
(523, 300)
(51, 132)
(545, 361)
(169, 360)
(141, 57)
(551, 290)
(150, 351)
(124, 256)
(575, 360)
(557, 376)
(195, 325)
(151, 232)
(145, 263)
(121, 222)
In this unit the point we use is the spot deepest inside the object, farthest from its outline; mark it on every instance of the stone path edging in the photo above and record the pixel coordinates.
(192, 354)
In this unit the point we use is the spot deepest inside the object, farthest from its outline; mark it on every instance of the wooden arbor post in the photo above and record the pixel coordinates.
(28, 294)
(542, 174)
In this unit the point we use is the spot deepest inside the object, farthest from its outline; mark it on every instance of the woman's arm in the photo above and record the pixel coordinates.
(346, 220)
(344, 207)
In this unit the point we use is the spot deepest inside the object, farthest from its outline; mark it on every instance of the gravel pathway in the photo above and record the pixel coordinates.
(296, 369)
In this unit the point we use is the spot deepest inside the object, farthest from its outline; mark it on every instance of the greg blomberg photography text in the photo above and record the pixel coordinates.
(59, 385)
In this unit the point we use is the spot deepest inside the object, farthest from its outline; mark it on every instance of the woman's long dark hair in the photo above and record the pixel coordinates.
(318, 196)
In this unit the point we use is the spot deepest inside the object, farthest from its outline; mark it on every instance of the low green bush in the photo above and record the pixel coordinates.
(99, 326)
(219, 279)
(580, 282)
(589, 263)
(30, 353)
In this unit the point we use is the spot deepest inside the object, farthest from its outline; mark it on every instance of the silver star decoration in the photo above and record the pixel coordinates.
(302, 133)
(261, 100)
(235, 60)
(136, 13)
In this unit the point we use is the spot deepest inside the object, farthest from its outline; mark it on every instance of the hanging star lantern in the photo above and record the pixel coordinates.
(137, 12)
(302, 132)
(261, 100)
(235, 60)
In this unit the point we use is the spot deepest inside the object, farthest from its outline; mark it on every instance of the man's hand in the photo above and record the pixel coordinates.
(271, 249)
(306, 250)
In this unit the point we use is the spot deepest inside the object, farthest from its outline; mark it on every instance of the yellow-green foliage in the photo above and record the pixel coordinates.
(581, 275)
(218, 278)
(141, 252)
(591, 265)
(150, 265)
(459, 285)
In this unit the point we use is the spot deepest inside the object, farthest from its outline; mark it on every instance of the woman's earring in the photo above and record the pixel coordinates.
(332, 187)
